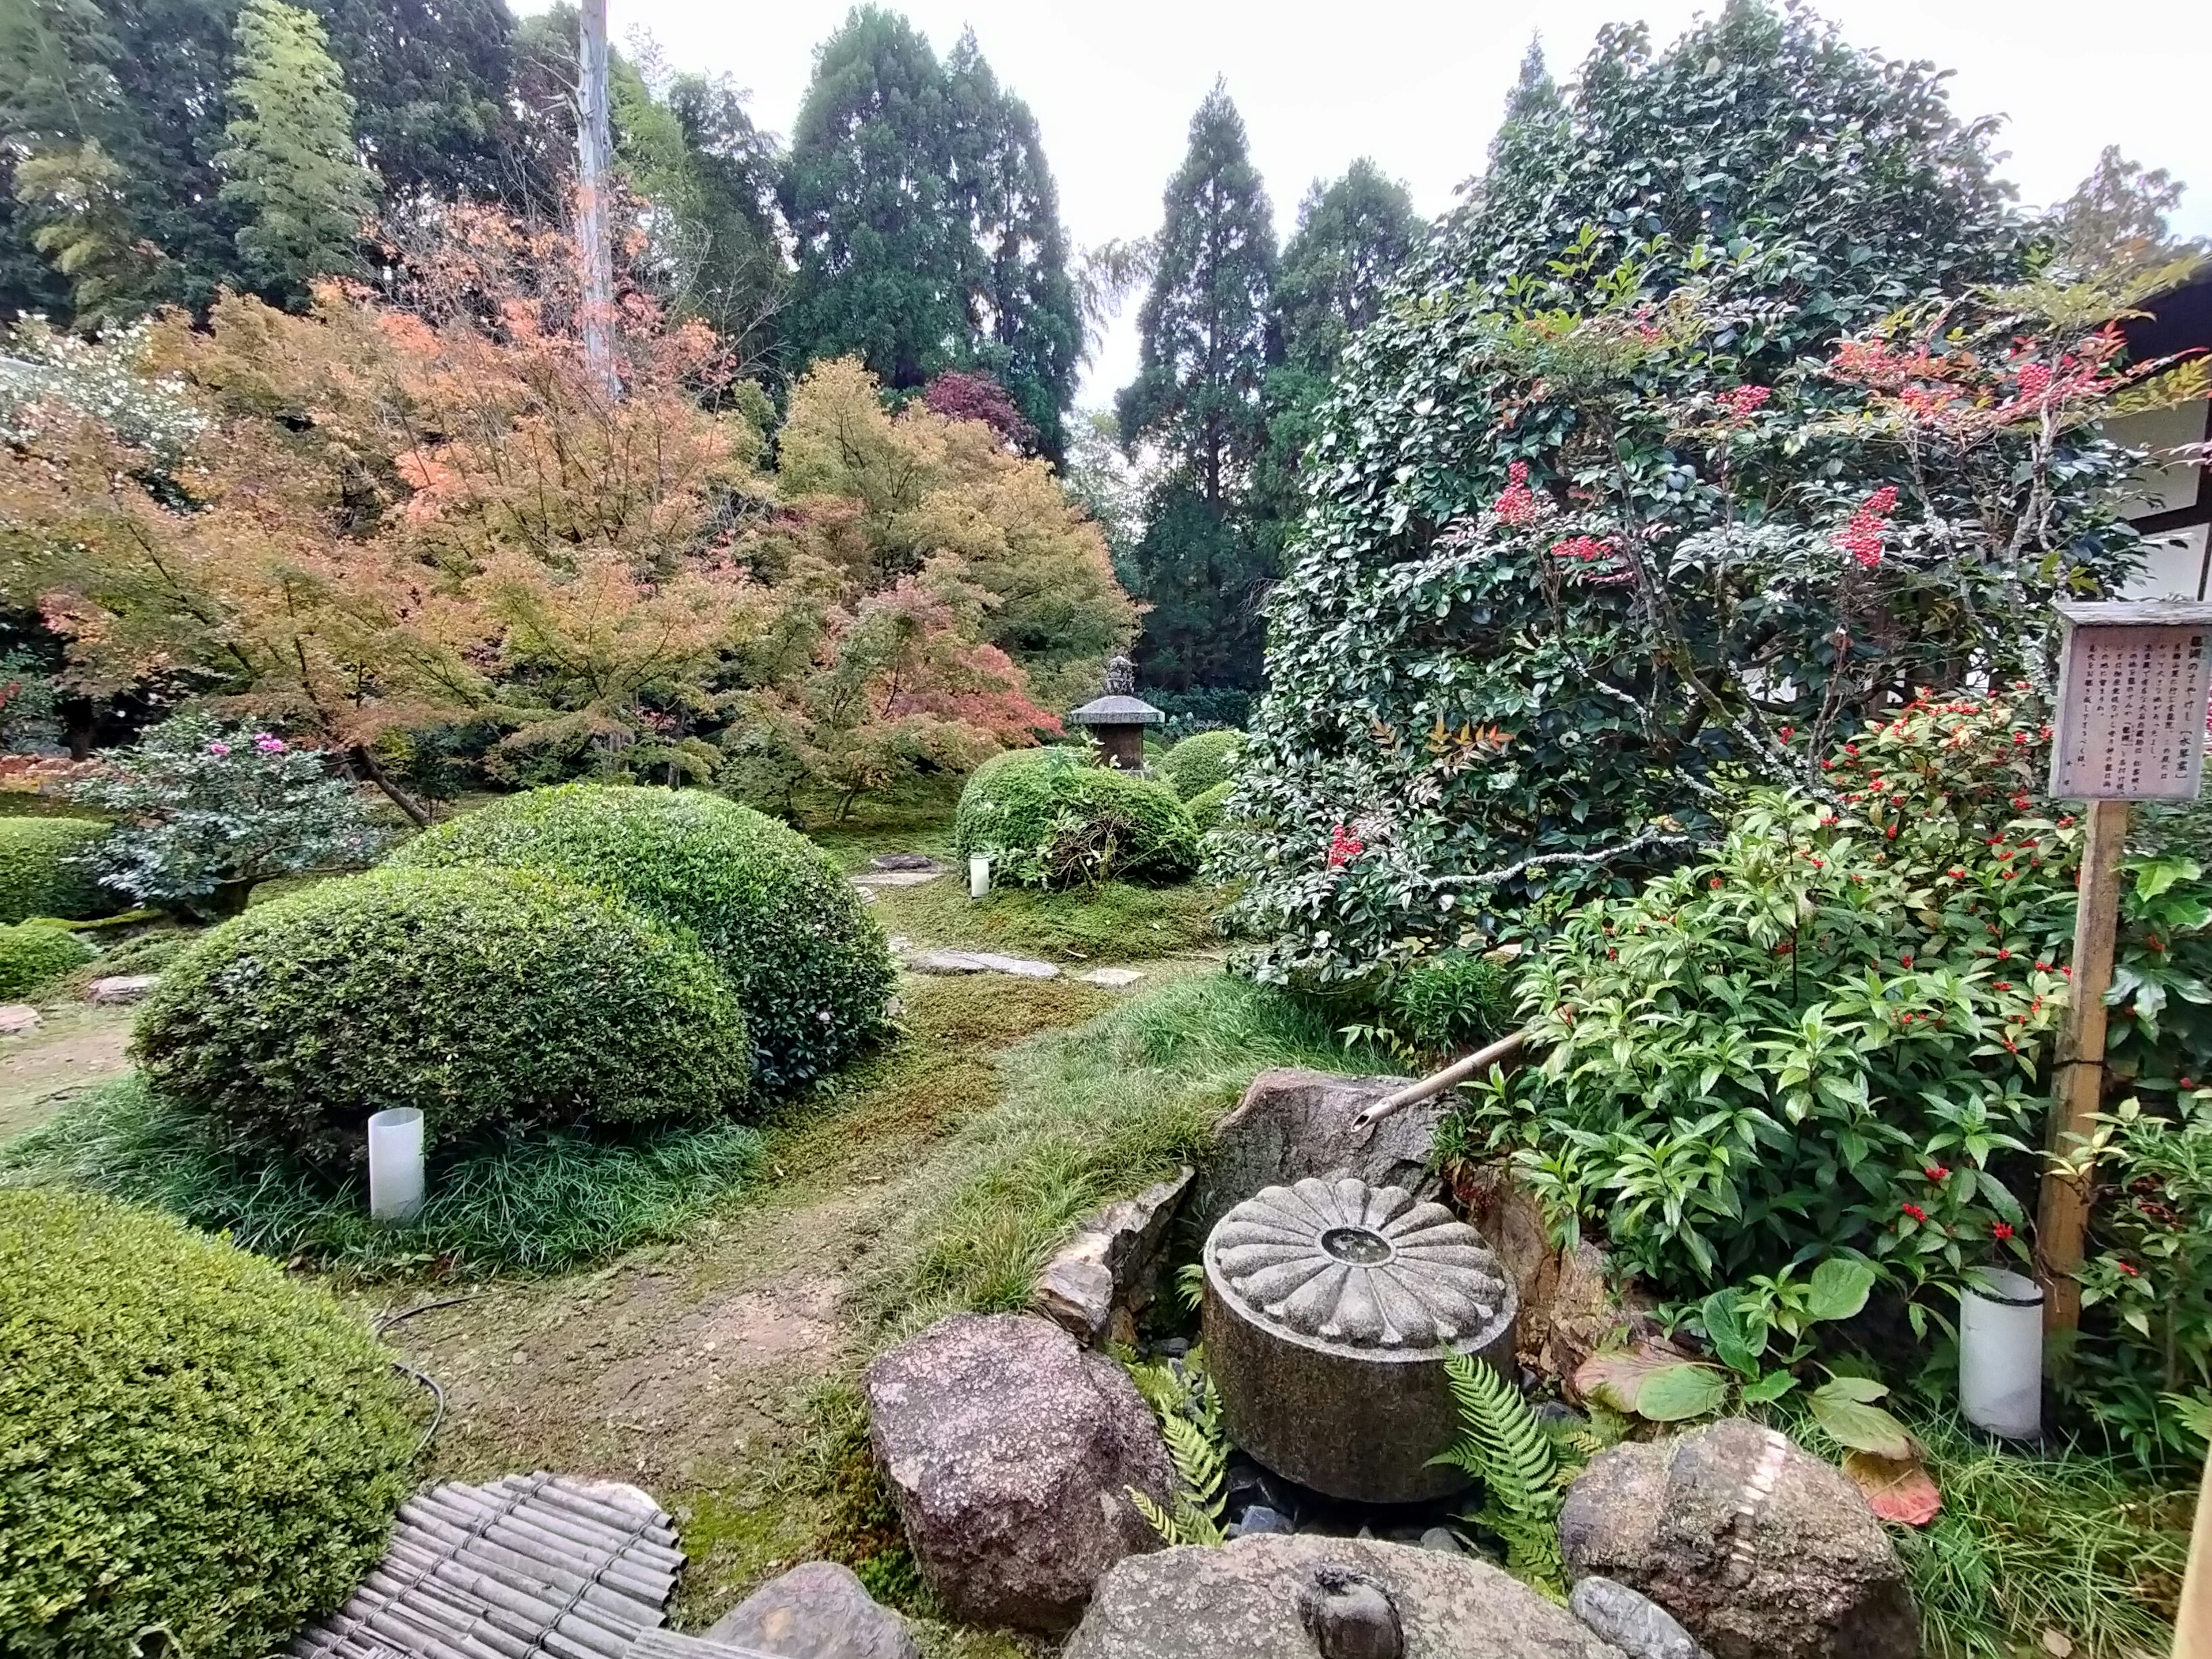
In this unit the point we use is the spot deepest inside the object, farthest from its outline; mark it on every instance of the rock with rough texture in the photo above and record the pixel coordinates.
(1761, 1549)
(17, 1017)
(1251, 1599)
(818, 1610)
(1569, 1306)
(904, 861)
(1331, 1309)
(1635, 1624)
(1098, 1283)
(895, 877)
(980, 962)
(1294, 1124)
(1011, 1452)
(119, 988)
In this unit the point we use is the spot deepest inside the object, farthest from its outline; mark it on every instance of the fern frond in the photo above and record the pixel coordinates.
(1502, 1444)
(1201, 1463)
(1190, 1285)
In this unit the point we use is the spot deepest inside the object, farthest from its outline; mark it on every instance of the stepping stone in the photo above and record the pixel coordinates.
(906, 862)
(895, 877)
(1112, 978)
(982, 962)
(17, 1017)
(118, 988)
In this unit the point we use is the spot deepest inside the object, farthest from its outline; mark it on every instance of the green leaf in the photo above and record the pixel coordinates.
(1649, 1384)
(1769, 1388)
(1738, 1334)
(1838, 1289)
(1841, 1409)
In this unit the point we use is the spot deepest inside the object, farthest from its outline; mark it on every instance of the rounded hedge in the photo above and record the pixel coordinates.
(1049, 817)
(34, 955)
(1205, 806)
(39, 876)
(189, 1439)
(1200, 761)
(495, 999)
(773, 909)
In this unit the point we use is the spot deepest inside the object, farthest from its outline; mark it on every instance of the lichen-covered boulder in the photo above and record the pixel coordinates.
(817, 1610)
(1278, 1597)
(1011, 1451)
(1762, 1550)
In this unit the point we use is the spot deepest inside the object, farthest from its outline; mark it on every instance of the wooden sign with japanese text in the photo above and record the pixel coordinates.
(2133, 682)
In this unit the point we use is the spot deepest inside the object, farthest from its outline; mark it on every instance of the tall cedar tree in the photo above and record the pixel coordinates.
(1024, 327)
(1203, 564)
(868, 193)
(1353, 234)
(291, 168)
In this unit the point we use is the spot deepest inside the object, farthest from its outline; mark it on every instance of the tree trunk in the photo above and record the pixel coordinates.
(594, 233)
(366, 764)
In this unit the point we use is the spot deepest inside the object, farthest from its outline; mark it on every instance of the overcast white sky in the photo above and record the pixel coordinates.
(1417, 84)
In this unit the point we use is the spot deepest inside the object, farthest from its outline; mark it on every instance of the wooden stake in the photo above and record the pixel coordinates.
(2061, 1220)
(2192, 1630)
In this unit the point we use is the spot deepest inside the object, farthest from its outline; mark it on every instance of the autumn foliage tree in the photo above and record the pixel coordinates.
(388, 517)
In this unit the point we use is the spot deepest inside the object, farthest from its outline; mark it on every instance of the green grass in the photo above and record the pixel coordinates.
(1083, 1117)
(1113, 921)
(539, 1205)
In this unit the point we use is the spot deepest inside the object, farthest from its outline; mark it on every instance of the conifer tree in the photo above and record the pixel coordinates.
(1022, 323)
(1197, 400)
(291, 166)
(883, 240)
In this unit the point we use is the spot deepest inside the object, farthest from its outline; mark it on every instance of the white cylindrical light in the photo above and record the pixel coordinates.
(395, 1165)
(2001, 1353)
(979, 876)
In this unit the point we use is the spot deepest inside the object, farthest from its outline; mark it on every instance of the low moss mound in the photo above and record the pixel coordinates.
(188, 1440)
(34, 954)
(772, 909)
(38, 873)
(496, 1000)
(1201, 761)
(1207, 807)
(1047, 817)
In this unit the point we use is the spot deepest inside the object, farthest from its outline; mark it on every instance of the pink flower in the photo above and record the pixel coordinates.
(1745, 399)
(268, 744)
(1862, 537)
(218, 748)
(2000, 1230)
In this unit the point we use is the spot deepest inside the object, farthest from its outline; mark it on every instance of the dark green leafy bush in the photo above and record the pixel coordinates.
(1048, 817)
(190, 1440)
(1198, 764)
(495, 999)
(38, 873)
(34, 955)
(774, 911)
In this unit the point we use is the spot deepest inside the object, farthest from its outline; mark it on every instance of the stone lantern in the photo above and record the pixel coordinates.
(1119, 717)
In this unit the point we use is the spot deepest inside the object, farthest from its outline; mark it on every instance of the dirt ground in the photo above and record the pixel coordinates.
(702, 1370)
(77, 1045)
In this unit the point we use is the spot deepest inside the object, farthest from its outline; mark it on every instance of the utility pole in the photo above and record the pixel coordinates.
(594, 231)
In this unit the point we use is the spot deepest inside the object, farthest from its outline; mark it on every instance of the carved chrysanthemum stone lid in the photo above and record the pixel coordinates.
(1360, 1266)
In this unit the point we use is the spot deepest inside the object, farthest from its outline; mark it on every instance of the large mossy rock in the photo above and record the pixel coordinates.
(1270, 1596)
(1011, 1452)
(1762, 1550)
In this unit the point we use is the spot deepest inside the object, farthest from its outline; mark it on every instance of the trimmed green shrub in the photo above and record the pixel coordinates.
(495, 999)
(1205, 806)
(772, 909)
(1199, 762)
(38, 874)
(34, 954)
(1049, 818)
(190, 1440)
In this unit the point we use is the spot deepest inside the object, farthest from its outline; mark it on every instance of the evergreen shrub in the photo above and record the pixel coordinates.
(1197, 764)
(193, 1442)
(774, 911)
(496, 1000)
(1048, 817)
(38, 873)
(34, 954)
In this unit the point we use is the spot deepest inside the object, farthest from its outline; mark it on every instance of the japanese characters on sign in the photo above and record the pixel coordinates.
(2132, 689)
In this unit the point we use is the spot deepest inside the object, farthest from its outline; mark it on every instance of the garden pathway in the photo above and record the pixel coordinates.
(76, 1044)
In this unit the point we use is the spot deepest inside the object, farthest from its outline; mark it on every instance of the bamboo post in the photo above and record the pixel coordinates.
(2062, 1218)
(2192, 1629)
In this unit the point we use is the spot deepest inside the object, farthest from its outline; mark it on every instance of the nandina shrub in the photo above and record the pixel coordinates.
(502, 1002)
(1832, 1031)
(193, 1442)
(1048, 817)
(772, 909)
